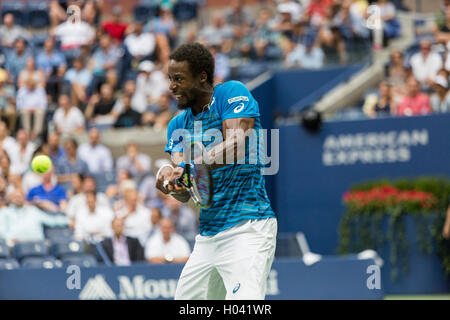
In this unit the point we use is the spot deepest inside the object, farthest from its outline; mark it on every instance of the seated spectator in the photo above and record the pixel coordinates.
(425, 64)
(97, 156)
(307, 56)
(217, 31)
(69, 165)
(159, 115)
(55, 150)
(222, 64)
(388, 14)
(79, 78)
(238, 14)
(79, 200)
(138, 101)
(8, 102)
(104, 58)
(150, 83)
(21, 153)
(32, 106)
(30, 71)
(16, 59)
(7, 142)
(135, 216)
(48, 196)
(264, 37)
(164, 23)
(441, 28)
(5, 189)
(122, 250)
(5, 165)
(115, 27)
(381, 103)
(53, 64)
(68, 119)
(128, 118)
(141, 45)
(100, 107)
(155, 219)
(116, 191)
(93, 221)
(182, 216)
(20, 221)
(414, 103)
(440, 99)
(397, 71)
(135, 162)
(167, 246)
(10, 32)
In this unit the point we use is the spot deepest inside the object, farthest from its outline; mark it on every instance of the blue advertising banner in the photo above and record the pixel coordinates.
(289, 279)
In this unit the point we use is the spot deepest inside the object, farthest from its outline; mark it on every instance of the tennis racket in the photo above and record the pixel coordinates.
(197, 177)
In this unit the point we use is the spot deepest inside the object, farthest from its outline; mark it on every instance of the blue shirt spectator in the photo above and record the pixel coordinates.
(55, 194)
(50, 59)
(17, 58)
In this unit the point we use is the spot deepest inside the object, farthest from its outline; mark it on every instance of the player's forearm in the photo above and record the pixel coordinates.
(231, 150)
(182, 197)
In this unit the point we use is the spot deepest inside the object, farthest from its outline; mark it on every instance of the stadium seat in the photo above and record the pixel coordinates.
(17, 9)
(144, 11)
(38, 14)
(58, 234)
(82, 260)
(29, 249)
(4, 250)
(185, 10)
(65, 248)
(9, 264)
(40, 262)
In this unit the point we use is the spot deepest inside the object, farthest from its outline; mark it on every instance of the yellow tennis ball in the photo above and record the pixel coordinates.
(41, 164)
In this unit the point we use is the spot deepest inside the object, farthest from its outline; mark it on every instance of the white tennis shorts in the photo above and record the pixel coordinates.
(233, 264)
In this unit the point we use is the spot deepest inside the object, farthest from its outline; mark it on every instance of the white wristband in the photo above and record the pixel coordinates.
(166, 165)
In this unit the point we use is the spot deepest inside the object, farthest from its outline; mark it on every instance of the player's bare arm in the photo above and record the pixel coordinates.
(166, 183)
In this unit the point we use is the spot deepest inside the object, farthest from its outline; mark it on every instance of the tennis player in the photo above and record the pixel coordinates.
(234, 250)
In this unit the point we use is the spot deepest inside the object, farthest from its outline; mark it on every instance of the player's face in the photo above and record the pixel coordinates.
(184, 86)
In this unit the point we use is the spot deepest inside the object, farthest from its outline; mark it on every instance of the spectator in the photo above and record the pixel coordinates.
(414, 103)
(397, 71)
(97, 156)
(30, 71)
(167, 246)
(308, 55)
(48, 196)
(155, 219)
(9, 32)
(7, 102)
(388, 14)
(5, 189)
(7, 142)
(128, 118)
(68, 119)
(316, 11)
(79, 79)
(217, 31)
(440, 99)
(115, 27)
(141, 45)
(55, 150)
(122, 250)
(115, 191)
(100, 107)
(79, 200)
(148, 192)
(138, 101)
(22, 222)
(164, 23)
(21, 153)
(53, 63)
(222, 64)
(93, 220)
(104, 58)
(17, 58)
(5, 169)
(135, 162)
(150, 83)
(381, 103)
(238, 14)
(69, 165)
(135, 216)
(264, 38)
(32, 105)
(160, 115)
(182, 216)
(425, 64)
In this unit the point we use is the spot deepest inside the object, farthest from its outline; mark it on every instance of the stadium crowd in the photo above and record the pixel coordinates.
(95, 71)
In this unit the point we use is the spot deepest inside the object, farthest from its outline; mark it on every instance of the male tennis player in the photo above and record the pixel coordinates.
(234, 251)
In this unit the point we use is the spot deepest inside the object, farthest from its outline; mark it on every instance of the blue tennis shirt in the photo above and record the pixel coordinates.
(239, 188)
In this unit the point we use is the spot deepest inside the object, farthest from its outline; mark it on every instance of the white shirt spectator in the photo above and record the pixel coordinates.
(177, 246)
(149, 89)
(20, 161)
(125, 163)
(79, 200)
(426, 68)
(8, 144)
(68, 123)
(74, 35)
(97, 223)
(140, 45)
(31, 100)
(98, 157)
(137, 224)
